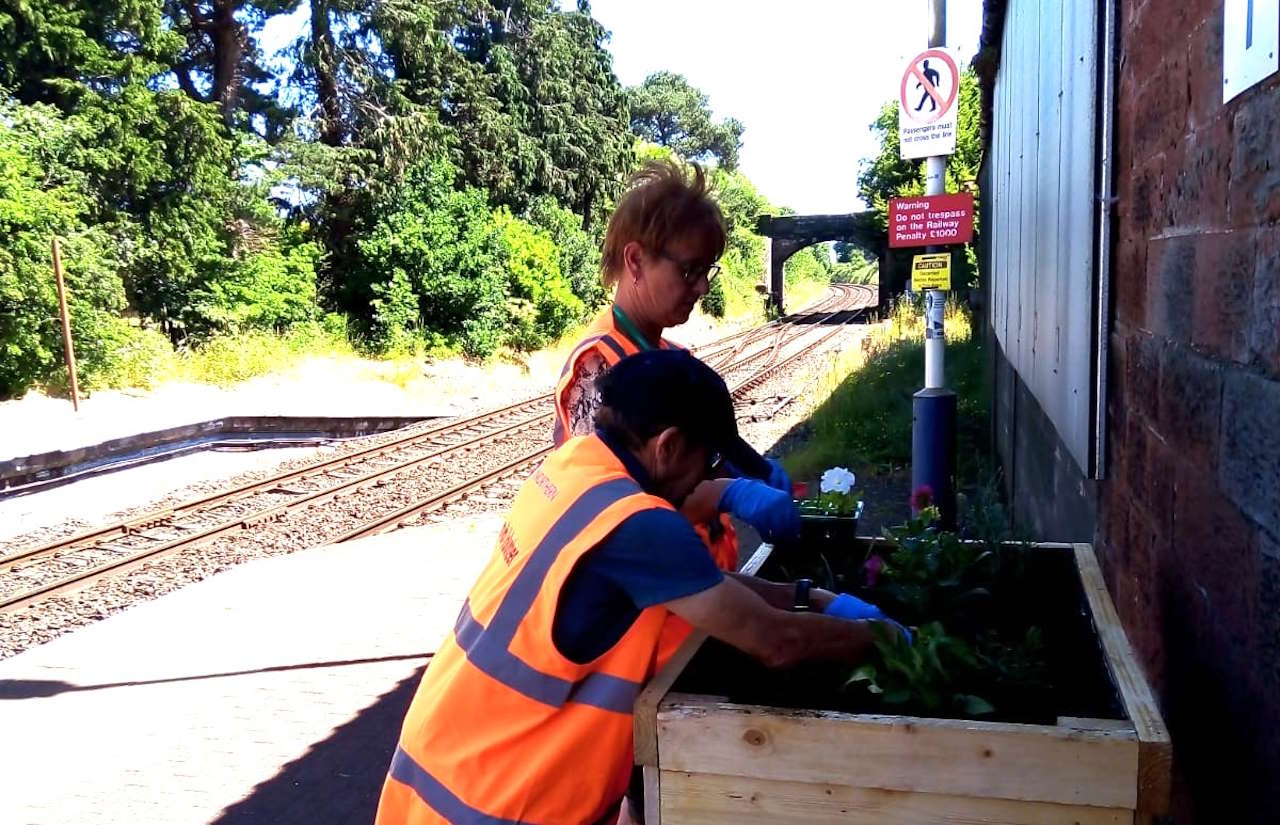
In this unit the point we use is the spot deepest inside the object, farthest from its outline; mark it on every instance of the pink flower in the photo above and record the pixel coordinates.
(873, 565)
(921, 498)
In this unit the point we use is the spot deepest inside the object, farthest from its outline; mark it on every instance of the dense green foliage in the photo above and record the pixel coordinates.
(420, 174)
(666, 110)
(40, 198)
(867, 418)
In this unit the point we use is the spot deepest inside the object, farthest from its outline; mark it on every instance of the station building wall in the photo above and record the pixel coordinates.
(1186, 517)
(1189, 516)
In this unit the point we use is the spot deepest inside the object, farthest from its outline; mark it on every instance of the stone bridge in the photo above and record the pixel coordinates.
(788, 234)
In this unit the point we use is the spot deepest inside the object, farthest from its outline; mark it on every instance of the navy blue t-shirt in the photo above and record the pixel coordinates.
(652, 557)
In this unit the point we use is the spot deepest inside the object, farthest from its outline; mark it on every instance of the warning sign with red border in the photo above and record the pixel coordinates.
(927, 104)
(931, 220)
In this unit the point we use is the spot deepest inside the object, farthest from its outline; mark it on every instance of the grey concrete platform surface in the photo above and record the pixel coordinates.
(271, 693)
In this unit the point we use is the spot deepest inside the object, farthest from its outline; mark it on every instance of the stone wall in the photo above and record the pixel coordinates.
(1189, 516)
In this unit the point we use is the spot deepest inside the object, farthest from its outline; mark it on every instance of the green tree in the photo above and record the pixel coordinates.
(668, 111)
(578, 111)
(527, 92)
(221, 62)
(162, 165)
(50, 50)
(579, 251)
(160, 168)
(743, 264)
(444, 244)
(270, 287)
(41, 197)
(541, 305)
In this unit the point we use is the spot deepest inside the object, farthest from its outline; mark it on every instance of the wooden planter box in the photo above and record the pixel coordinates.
(707, 760)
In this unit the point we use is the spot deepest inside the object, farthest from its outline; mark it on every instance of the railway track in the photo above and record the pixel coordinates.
(31, 574)
(528, 462)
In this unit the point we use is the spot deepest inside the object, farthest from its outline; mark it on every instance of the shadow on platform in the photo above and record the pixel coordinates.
(41, 688)
(338, 780)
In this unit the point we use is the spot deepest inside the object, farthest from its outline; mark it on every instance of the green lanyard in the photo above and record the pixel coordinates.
(630, 329)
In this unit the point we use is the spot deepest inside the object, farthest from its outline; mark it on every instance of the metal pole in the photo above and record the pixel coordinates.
(933, 426)
(1106, 125)
(935, 344)
(68, 348)
(935, 183)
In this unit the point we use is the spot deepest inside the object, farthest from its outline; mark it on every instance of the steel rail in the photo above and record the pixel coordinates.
(395, 519)
(164, 518)
(161, 516)
(206, 534)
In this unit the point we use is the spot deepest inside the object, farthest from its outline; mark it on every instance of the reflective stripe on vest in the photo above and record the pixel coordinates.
(603, 338)
(407, 772)
(503, 727)
(486, 647)
(485, 650)
(440, 798)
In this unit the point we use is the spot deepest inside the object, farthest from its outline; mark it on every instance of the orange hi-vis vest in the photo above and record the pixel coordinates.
(503, 728)
(610, 342)
(606, 339)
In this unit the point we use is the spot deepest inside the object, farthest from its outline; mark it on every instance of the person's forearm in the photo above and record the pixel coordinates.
(782, 594)
(776, 594)
(702, 506)
(804, 637)
(733, 612)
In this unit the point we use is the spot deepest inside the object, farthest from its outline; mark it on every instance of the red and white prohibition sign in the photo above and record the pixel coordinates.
(916, 72)
(927, 105)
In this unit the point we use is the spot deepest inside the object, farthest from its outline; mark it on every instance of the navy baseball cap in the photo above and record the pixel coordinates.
(651, 391)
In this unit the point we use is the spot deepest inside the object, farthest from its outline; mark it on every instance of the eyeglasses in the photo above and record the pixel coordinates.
(691, 272)
(714, 462)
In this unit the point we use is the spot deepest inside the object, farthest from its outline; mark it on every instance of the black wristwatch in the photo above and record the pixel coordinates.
(800, 601)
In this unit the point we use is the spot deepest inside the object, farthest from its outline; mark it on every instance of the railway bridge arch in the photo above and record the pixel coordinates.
(788, 234)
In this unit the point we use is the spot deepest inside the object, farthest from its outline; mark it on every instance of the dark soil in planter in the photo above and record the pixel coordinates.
(1047, 594)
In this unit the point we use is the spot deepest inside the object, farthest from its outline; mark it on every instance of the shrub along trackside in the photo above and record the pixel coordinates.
(866, 417)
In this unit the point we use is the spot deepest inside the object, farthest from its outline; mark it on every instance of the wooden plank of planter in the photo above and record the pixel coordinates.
(652, 794)
(710, 799)
(1089, 723)
(645, 713)
(1155, 751)
(819, 766)
(1031, 763)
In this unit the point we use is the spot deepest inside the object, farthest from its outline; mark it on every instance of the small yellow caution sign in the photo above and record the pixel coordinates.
(931, 271)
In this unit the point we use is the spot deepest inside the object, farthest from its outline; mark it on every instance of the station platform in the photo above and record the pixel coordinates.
(270, 693)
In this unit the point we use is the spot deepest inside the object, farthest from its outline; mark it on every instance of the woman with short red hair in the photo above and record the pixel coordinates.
(660, 252)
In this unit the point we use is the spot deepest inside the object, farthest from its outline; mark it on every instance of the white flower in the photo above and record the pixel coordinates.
(838, 480)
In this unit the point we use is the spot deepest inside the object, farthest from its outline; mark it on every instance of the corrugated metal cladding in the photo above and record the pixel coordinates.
(1043, 175)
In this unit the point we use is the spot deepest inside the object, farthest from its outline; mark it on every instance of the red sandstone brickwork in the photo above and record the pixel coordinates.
(1189, 518)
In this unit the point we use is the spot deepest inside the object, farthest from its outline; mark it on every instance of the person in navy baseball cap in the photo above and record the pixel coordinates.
(664, 404)
(651, 391)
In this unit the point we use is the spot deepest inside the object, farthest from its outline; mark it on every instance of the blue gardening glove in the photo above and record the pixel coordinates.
(770, 511)
(845, 606)
(778, 479)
